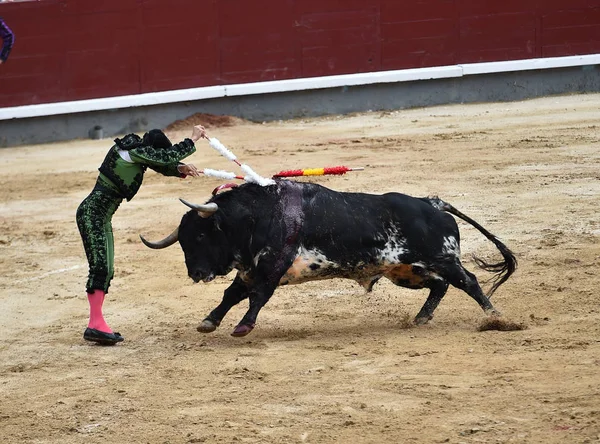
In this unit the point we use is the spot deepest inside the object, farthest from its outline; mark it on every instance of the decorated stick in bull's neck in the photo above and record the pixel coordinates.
(251, 175)
(227, 175)
(337, 170)
(222, 149)
(254, 177)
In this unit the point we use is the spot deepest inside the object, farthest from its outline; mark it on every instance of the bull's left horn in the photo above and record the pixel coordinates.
(164, 243)
(203, 210)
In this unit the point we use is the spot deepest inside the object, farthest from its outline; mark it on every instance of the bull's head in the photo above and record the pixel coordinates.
(204, 243)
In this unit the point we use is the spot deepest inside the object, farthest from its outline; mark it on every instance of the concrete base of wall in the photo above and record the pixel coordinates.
(499, 87)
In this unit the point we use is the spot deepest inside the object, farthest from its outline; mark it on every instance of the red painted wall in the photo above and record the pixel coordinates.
(79, 49)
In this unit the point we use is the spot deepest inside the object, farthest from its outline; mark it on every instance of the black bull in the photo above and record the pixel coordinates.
(293, 232)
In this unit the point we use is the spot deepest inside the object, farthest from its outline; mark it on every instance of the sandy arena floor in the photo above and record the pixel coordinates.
(326, 363)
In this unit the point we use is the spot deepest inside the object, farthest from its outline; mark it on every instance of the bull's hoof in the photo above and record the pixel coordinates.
(242, 330)
(207, 326)
(493, 313)
(422, 320)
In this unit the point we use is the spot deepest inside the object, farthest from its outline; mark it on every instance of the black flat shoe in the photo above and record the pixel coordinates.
(93, 335)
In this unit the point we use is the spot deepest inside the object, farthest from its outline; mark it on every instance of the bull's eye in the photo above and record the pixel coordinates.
(199, 237)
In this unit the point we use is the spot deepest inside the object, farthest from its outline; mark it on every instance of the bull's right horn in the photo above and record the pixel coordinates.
(164, 243)
(203, 210)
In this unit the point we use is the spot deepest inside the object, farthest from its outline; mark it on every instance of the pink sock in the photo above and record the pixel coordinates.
(96, 299)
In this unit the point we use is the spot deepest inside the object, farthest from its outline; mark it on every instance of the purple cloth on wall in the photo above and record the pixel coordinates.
(8, 39)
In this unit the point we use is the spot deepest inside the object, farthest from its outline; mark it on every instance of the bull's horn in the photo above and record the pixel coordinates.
(164, 243)
(203, 210)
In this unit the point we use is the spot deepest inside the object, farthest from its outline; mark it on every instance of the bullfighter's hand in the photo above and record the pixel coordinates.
(188, 170)
(198, 132)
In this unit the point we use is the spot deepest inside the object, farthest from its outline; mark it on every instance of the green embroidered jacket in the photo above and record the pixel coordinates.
(125, 178)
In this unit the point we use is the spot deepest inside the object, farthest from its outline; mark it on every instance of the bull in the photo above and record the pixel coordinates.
(294, 232)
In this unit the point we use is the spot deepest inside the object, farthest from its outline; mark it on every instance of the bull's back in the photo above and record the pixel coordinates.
(360, 227)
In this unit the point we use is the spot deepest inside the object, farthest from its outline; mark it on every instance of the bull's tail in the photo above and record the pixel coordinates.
(502, 270)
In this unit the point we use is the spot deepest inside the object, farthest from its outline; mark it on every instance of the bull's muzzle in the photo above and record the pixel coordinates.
(198, 275)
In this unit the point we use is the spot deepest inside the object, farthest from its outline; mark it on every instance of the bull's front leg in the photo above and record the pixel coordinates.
(266, 278)
(259, 295)
(273, 258)
(235, 293)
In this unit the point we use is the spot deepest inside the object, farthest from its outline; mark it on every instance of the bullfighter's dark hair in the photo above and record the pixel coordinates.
(154, 138)
(157, 139)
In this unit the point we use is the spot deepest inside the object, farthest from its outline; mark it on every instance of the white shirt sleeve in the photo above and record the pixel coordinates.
(125, 155)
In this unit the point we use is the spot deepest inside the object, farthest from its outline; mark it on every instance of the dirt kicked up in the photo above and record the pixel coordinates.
(326, 363)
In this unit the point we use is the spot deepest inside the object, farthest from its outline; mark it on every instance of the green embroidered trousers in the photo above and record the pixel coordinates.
(94, 220)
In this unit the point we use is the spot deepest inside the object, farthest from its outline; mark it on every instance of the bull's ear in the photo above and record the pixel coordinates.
(205, 210)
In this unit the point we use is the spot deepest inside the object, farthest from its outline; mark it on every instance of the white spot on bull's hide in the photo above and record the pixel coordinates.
(451, 247)
(395, 247)
(315, 257)
(436, 203)
(260, 254)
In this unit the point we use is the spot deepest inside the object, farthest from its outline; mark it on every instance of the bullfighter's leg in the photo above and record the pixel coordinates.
(464, 280)
(93, 218)
(235, 293)
(438, 290)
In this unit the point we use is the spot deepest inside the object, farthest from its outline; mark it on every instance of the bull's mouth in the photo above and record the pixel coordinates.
(208, 278)
(199, 277)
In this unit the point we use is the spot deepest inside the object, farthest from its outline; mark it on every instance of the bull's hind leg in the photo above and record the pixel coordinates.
(463, 279)
(416, 277)
(234, 294)
(438, 289)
